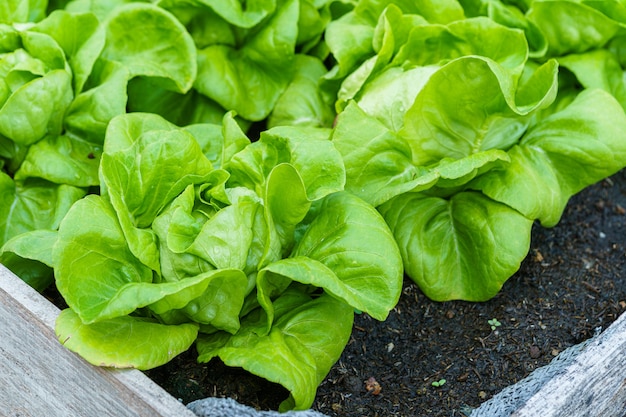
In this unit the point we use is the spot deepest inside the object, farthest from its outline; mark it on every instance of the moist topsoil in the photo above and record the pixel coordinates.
(571, 285)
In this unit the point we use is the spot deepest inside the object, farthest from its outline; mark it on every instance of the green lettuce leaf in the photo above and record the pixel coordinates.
(36, 245)
(33, 204)
(149, 41)
(124, 342)
(250, 79)
(104, 98)
(598, 69)
(20, 11)
(572, 26)
(561, 155)
(464, 247)
(220, 143)
(80, 37)
(342, 257)
(136, 143)
(29, 256)
(450, 120)
(306, 339)
(62, 160)
(413, 56)
(379, 163)
(301, 104)
(309, 150)
(36, 108)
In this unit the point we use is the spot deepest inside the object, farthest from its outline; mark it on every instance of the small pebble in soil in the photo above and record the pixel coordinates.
(463, 377)
(352, 383)
(372, 386)
(535, 352)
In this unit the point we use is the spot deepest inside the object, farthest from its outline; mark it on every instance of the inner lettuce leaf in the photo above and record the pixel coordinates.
(449, 119)
(309, 150)
(424, 49)
(138, 143)
(390, 34)
(336, 253)
(286, 210)
(354, 37)
(176, 265)
(223, 239)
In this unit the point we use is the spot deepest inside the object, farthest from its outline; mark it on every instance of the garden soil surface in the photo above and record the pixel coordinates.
(571, 285)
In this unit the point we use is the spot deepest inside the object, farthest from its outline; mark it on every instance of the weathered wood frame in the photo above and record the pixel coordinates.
(39, 377)
(590, 381)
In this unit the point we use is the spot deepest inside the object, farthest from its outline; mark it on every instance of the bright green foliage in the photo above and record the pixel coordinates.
(464, 132)
(248, 174)
(494, 323)
(439, 383)
(189, 244)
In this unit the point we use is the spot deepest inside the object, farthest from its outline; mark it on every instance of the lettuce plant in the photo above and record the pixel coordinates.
(393, 136)
(464, 128)
(257, 253)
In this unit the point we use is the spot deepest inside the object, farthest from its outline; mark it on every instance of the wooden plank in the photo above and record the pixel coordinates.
(593, 385)
(39, 377)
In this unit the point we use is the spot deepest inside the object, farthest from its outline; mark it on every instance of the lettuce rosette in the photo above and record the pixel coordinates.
(251, 249)
(465, 122)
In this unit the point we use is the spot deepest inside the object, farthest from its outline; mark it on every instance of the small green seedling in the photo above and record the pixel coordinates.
(439, 383)
(494, 323)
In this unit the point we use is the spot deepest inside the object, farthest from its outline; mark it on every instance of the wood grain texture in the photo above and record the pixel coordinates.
(593, 385)
(39, 377)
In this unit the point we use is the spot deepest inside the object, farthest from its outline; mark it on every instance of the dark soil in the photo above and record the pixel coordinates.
(572, 284)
